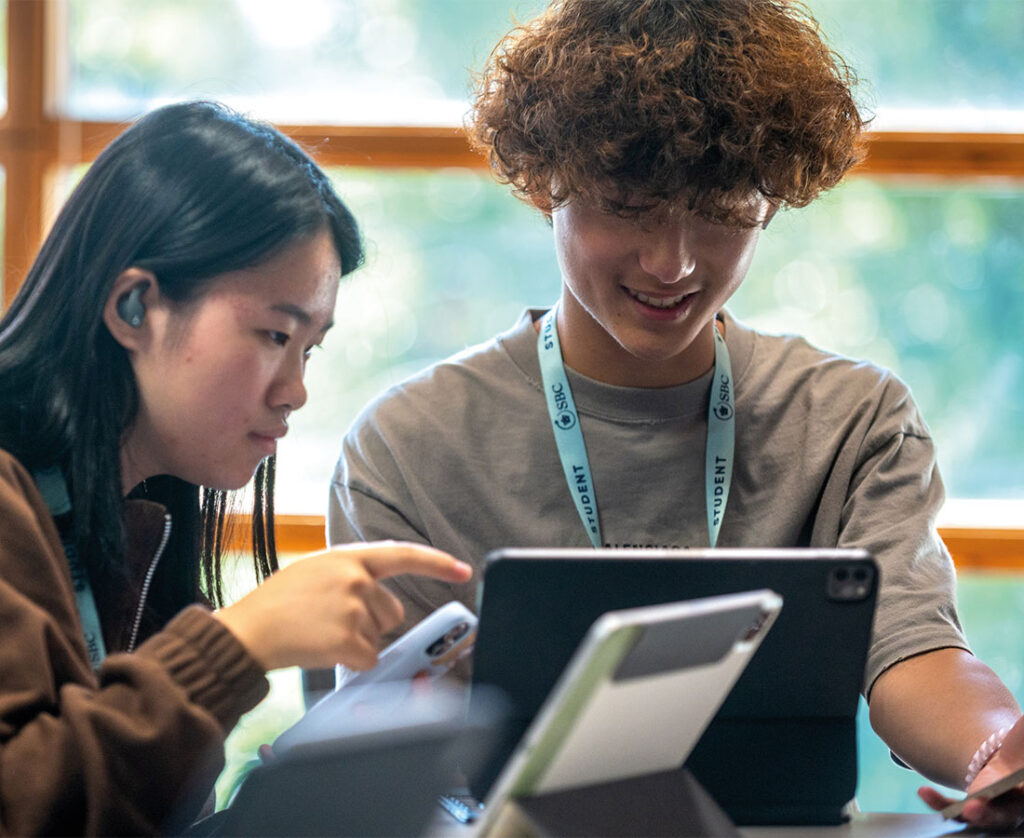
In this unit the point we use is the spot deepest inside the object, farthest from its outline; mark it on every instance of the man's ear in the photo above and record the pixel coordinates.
(133, 294)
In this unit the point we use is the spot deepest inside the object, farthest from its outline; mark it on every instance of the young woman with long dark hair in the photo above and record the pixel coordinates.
(148, 366)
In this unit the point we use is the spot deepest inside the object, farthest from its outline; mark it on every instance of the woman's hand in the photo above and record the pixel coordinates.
(329, 607)
(1005, 812)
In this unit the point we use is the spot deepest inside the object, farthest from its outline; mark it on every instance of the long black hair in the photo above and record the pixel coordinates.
(188, 192)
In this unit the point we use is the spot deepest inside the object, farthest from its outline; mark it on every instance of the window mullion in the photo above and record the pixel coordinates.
(27, 135)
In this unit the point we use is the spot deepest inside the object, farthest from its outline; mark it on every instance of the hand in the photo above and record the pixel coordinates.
(1006, 812)
(330, 607)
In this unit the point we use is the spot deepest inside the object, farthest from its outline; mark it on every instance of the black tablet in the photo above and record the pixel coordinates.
(782, 748)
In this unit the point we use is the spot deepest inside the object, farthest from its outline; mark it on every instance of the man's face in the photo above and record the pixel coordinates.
(639, 296)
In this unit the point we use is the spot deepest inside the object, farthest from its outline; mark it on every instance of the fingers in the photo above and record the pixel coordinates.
(385, 609)
(359, 651)
(1006, 812)
(392, 558)
(933, 798)
(345, 607)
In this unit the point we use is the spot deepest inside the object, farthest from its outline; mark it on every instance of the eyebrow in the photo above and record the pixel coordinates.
(299, 314)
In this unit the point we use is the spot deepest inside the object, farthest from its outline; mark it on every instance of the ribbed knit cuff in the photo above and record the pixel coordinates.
(210, 664)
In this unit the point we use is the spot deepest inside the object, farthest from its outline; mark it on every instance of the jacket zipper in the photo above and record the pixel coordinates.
(148, 581)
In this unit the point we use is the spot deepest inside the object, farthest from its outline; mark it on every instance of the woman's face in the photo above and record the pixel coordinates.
(219, 375)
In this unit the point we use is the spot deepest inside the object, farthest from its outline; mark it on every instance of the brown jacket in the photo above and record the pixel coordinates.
(112, 752)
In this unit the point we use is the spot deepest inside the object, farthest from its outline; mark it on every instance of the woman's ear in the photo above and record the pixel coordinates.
(134, 292)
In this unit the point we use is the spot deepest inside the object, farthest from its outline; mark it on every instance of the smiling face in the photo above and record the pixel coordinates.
(219, 375)
(639, 296)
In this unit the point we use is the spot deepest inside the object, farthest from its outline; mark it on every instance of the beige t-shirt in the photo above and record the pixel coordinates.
(830, 452)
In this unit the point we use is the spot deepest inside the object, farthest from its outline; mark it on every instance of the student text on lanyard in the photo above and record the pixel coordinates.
(572, 450)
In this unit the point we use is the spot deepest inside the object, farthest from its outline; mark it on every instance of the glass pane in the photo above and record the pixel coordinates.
(941, 65)
(927, 281)
(949, 64)
(924, 279)
(329, 61)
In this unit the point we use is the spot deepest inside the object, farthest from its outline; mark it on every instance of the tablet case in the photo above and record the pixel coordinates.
(669, 803)
(639, 691)
(782, 749)
(602, 755)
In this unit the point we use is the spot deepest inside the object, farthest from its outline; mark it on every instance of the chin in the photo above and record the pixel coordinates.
(230, 481)
(655, 353)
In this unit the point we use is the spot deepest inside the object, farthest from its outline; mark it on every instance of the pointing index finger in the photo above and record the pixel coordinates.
(393, 558)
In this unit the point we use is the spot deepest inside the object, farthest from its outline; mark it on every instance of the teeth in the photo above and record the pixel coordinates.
(657, 302)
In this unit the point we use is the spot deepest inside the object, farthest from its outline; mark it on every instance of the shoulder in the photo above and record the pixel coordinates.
(789, 369)
(32, 564)
(18, 492)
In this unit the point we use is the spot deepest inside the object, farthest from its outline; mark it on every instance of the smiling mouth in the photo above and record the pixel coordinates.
(657, 302)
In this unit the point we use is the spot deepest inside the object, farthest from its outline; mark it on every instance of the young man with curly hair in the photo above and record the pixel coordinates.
(660, 137)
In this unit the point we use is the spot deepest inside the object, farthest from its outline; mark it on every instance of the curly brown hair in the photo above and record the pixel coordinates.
(635, 104)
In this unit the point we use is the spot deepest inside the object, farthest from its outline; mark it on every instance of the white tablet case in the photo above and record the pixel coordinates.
(638, 693)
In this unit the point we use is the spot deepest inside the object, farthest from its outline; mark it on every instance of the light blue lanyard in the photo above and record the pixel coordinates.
(572, 450)
(54, 490)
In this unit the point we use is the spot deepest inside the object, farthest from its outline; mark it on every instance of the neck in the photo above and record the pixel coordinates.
(589, 349)
(134, 467)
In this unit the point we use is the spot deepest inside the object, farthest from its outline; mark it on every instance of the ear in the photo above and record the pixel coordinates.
(134, 292)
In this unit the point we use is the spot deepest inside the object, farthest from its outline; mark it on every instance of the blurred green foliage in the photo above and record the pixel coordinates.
(377, 61)
(930, 53)
(394, 61)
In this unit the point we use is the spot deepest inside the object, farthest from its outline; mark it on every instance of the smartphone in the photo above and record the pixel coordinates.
(991, 791)
(429, 649)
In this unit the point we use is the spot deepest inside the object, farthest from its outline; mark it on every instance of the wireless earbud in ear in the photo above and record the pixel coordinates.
(130, 308)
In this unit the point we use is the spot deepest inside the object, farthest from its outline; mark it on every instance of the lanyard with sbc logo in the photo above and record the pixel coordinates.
(572, 450)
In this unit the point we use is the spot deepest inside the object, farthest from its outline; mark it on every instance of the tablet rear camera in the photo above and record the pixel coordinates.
(850, 584)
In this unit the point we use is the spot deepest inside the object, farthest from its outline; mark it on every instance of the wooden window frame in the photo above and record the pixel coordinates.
(35, 146)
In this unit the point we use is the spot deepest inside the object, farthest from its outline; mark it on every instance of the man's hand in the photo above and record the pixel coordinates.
(1007, 810)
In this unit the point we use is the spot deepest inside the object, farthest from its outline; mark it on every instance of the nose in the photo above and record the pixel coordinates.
(288, 390)
(666, 253)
